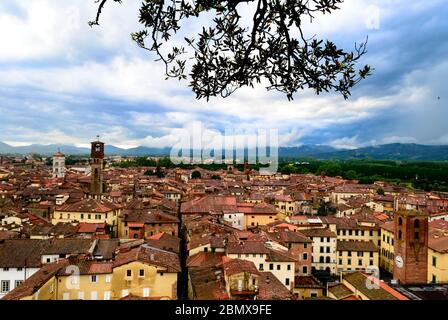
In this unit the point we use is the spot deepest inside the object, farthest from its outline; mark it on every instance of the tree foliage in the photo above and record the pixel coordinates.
(229, 55)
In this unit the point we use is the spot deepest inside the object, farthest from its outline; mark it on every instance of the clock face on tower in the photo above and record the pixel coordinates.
(399, 261)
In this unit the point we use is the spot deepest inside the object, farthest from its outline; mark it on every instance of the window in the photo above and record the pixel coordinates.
(349, 253)
(205, 249)
(82, 215)
(108, 278)
(81, 295)
(340, 261)
(400, 235)
(322, 249)
(89, 216)
(305, 245)
(94, 295)
(305, 256)
(360, 254)
(5, 286)
(106, 295)
(434, 278)
(328, 249)
(400, 221)
(416, 229)
(141, 273)
(129, 273)
(18, 283)
(271, 266)
(321, 259)
(288, 267)
(287, 281)
(278, 267)
(261, 267)
(305, 270)
(349, 262)
(328, 260)
(359, 262)
(371, 254)
(313, 295)
(434, 261)
(350, 232)
(93, 279)
(371, 233)
(66, 296)
(328, 239)
(146, 292)
(6, 269)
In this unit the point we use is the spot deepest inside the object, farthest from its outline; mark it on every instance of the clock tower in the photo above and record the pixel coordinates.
(96, 165)
(411, 247)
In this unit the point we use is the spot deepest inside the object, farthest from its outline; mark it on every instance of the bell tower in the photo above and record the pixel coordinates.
(96, 165)
(411, 247)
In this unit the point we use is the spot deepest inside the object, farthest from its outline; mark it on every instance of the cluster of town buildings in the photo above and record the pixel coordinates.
(108, 233)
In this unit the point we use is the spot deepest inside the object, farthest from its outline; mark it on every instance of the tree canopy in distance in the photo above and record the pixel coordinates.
(229, 55)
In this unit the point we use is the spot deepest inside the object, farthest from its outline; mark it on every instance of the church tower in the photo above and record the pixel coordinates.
(96, 165)
(411, 247)
(59, 165)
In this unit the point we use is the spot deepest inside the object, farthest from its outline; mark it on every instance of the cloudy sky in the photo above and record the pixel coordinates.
(64, 82)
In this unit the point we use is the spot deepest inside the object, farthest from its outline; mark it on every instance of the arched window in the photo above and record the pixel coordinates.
(416, 224)
(400, 221)
(328, 260)
(416, 229)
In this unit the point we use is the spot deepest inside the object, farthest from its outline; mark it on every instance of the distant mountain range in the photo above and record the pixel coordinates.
(395, 151)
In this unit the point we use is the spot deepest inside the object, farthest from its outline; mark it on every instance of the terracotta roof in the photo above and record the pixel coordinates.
(90, 227)
(89, 206)
(257, 208)
(209, 204)
(36, 281)
(204, 259)
(246, 247)
(340, 291)
(68, 246)
(88, 267)
(358, 280)
(307, 282)
(207, 283)
(149, 255)
(389, 226)
(164, 241)
(270, 288)
(368, 246)
(150, 216)
(438, 236)
(319, 232)
(235, 266)
(280, 256)
(20, 253)
(106, 248)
